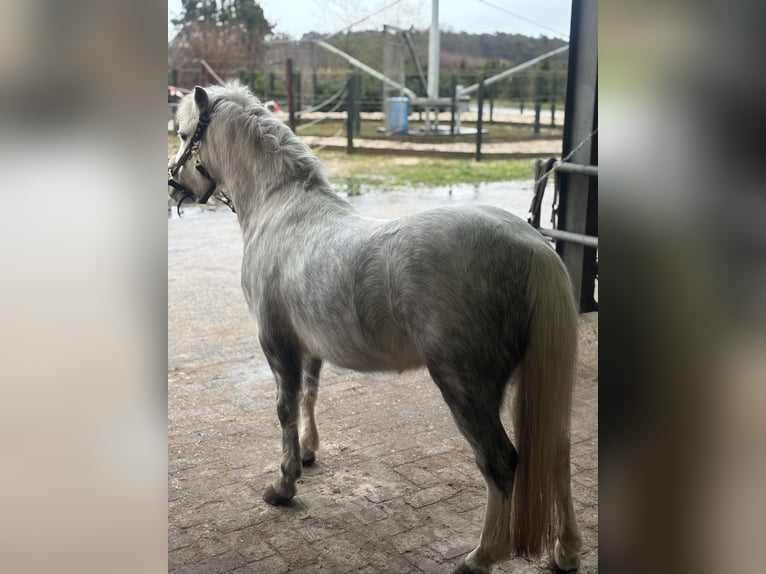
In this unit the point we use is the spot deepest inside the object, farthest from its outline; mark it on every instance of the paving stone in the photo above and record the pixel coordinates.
(215, 565)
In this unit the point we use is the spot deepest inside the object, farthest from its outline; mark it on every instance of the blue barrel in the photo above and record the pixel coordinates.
(398, 119)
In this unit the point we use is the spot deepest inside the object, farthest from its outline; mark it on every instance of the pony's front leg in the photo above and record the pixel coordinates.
(285, 362)
(309, 435)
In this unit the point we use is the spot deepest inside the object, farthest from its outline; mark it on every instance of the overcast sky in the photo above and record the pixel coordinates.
(296, 17)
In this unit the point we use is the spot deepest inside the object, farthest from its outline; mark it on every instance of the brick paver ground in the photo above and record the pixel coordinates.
(395, 488)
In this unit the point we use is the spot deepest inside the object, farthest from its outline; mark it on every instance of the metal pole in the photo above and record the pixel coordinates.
(575, 238)
(568, 167)
(290, 95)
(209, 68)
(365, 68)
(514, 70)
(433, 52)
(479, 121)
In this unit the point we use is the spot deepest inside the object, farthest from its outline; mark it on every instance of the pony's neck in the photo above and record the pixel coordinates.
(271, 170)
(258, 203)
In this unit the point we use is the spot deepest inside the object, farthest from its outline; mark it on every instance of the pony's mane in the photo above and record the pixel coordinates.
(270, 136)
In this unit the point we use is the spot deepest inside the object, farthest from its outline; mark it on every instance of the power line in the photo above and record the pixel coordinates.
(520, 17)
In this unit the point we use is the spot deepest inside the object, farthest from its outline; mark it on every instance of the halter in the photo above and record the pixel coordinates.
(192, 149)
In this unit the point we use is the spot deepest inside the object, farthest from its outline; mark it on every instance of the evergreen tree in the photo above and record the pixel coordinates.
(229, 34)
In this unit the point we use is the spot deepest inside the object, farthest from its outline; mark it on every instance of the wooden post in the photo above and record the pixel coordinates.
(453, 95)
(290, 95)
(298, 95)
(313, 86)
(492, 94)
(479, 120)
(553, 98)
(538, 103)
(357, 104)
(350, 114)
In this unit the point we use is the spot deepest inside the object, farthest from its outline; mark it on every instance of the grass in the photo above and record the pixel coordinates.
(397, 171)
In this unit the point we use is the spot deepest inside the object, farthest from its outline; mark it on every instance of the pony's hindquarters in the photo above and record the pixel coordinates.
(541, 416)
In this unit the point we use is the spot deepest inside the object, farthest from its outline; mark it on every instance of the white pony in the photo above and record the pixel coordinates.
(473, 293)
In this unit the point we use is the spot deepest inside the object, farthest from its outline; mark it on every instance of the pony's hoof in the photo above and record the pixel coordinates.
(309, 459)
(273, 498)
(565, 561)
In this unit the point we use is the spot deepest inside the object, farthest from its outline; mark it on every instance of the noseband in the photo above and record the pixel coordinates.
(192, 149)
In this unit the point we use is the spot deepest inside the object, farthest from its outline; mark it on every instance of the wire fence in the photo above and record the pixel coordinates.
(527, 107)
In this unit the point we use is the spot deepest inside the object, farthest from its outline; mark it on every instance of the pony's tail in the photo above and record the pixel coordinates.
(541, 407)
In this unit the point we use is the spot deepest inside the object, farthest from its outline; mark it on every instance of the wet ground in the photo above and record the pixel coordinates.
(395, 488)
(513, 196)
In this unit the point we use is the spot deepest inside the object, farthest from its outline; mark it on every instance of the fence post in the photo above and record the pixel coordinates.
(313, 86)
(357, 104)
(453, 95)
(290, 94)
(174, 77)
(538, 102)
(492, 94)
(479, 120)
(298, 95)
(553, 98)
(350, 114)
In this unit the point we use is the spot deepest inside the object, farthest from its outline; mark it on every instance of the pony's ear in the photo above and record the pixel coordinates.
(201, 99)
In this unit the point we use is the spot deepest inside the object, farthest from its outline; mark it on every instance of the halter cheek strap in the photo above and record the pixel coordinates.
(192, 149)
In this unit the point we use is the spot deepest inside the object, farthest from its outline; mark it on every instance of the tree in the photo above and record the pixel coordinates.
(229, 34)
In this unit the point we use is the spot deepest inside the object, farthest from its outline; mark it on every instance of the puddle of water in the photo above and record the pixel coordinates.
(513, 196)
(373, 201)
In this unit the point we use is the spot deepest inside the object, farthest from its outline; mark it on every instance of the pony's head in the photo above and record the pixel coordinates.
(188, 178)
(229, 138)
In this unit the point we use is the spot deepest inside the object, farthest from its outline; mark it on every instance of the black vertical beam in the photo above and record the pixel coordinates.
(577, 192)
(357, 104)
(480, 120)
(290, 94)
(554, 87)
(453, 96)
(492, 94)
(313, 86)
(538, 100)
(298, 95)
(350, 114)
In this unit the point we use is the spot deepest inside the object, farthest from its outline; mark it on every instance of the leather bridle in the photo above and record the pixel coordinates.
(192, 149)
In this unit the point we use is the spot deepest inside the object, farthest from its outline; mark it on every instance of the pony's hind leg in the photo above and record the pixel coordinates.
(566, 552)
(285, 362)
(477, 414)
(309, 434)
